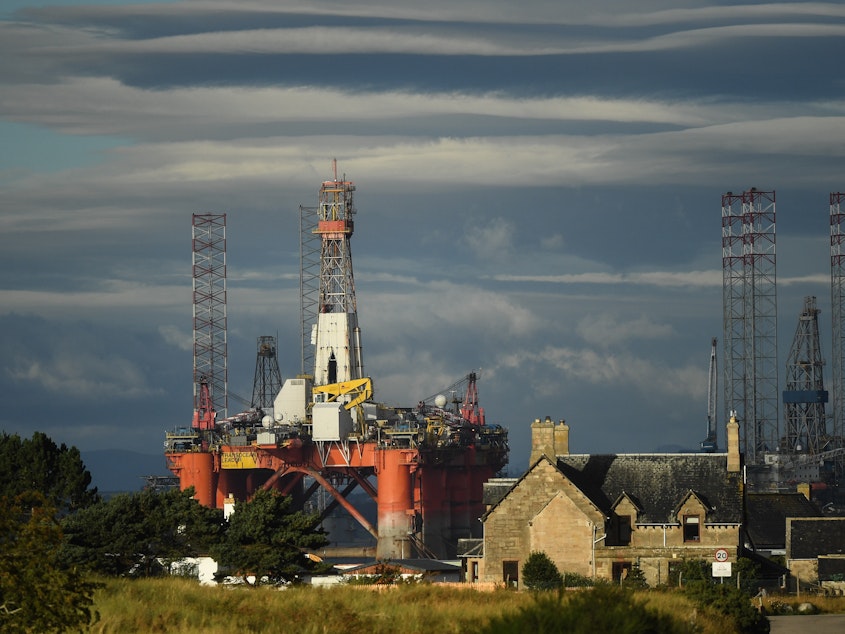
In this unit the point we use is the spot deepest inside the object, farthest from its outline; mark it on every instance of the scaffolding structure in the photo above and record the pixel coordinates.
(804, 397)
(268, 378)
(749, 288)
(209, 308)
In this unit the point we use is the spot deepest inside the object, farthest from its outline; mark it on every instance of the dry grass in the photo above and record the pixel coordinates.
(181, 606)
(774, 603)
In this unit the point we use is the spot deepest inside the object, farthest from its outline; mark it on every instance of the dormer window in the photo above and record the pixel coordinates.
(692, 528)
(624, 530)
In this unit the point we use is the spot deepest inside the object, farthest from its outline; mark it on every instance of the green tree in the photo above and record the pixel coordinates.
(635, 578)
(131, 533)
(38, 464)
(539, 572)
(265, 538)
(37, 592)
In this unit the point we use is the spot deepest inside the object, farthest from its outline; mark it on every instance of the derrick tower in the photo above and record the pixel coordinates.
(209, 307)
(805, 396)
(338, 355)
(268, 379)
(750, 318)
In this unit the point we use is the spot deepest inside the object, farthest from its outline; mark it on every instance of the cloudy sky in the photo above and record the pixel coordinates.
(539, 189)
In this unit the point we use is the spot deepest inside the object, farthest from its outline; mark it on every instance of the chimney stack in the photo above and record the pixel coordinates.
(733, 444)
(548, 439)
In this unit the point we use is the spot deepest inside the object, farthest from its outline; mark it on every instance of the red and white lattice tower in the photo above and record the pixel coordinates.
(837, 302)
(209, 273)
(750, 318)
(338, 354)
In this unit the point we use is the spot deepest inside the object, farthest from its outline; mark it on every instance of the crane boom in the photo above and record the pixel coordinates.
(708, 445)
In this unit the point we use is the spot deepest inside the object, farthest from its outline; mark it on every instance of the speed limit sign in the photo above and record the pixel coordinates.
(721, 554)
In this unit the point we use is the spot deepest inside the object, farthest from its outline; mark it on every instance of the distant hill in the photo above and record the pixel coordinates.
(114, 470)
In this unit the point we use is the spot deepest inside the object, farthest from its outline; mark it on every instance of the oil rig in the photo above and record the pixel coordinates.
(809, 448)
(424, 466)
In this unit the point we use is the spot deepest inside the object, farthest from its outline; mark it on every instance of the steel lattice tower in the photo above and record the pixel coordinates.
(750, 318)
(805, 396)
(837, 302)
(309, 283)
(338, 355)
(268, 379)
(209, 299)
(733, 306)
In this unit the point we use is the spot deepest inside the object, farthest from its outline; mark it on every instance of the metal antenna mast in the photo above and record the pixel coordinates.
(268, 379)
(209, 300)
(750, 318)
(805, 396)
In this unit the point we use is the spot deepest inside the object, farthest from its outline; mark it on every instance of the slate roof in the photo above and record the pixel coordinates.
(496, 488)
(831, 568)
(470, 547)
(811, 537)
(766, 513)
(658, 483)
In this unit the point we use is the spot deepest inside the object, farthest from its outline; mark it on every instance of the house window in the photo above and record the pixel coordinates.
(692, 531)
(473, 574)
(510, 573)
(624, 530)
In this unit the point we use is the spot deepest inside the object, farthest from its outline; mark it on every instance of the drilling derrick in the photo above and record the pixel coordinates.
(805, 396)
(268, 379)
(750, 318)
(338, 355)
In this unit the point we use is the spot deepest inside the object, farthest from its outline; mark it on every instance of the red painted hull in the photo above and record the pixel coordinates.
(426, 499)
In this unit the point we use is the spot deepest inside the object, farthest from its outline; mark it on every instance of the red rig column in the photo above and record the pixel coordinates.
(198, 472)
(395, 502)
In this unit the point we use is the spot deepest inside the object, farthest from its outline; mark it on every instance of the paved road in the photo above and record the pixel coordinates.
(800, 624)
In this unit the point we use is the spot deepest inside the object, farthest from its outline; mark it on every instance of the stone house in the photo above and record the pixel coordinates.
(598, 515)
(815, 550)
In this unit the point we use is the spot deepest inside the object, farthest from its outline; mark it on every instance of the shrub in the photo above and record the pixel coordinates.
(730, 602)
(574, 580)
(603, 608)
(540, 573)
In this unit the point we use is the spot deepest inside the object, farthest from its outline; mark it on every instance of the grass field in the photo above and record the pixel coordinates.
(182, 606)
